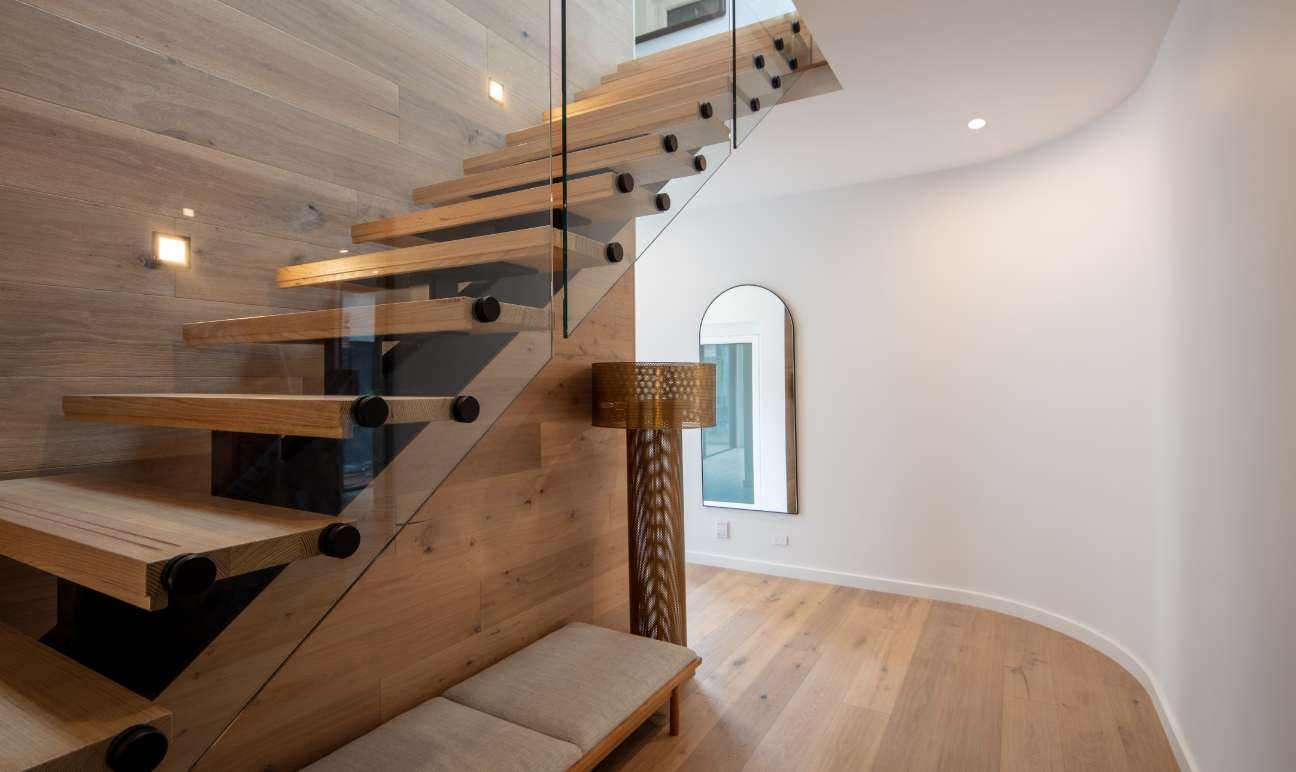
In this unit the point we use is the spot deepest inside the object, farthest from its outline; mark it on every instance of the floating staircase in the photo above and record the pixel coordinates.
(148, 576)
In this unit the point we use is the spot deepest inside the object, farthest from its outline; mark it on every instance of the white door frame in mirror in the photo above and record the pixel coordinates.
(758, 316)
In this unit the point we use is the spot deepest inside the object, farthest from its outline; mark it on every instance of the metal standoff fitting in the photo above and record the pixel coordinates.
(370, 411)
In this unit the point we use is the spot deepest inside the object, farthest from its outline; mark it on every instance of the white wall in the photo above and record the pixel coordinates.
(1067, 379)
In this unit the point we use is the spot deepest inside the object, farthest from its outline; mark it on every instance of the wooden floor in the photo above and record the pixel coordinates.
(804, 676)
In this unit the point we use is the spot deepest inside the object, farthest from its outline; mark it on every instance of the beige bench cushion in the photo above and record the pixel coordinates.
(443, 736)
(576, 684)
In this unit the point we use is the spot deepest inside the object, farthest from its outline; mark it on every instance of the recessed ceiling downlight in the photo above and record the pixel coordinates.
(977, 124)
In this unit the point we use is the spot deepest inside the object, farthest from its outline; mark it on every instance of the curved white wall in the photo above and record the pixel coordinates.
(1067, 378)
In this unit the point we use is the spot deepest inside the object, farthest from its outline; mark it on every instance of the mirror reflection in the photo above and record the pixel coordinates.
(749, 456)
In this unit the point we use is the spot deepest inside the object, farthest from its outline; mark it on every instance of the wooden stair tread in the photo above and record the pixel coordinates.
(598, 193)
(58, 715)
(538, 248)
(646, 157)
(116, 537)
(756, 39)
(721, 44)
(296, 415)
(583, 114)
(651, 81)
(683, 118)
(384, 320)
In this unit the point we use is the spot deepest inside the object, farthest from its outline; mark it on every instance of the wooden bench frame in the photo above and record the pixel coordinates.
(669, 693)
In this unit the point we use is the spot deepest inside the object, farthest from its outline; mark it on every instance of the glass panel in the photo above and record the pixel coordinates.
(749, 457)
(214, 203)
(774, 49)
(640, 141)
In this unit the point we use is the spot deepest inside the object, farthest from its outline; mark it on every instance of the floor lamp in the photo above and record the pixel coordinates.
(654, 402)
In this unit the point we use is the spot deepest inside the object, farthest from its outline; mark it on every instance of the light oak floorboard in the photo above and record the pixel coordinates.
(803, 676)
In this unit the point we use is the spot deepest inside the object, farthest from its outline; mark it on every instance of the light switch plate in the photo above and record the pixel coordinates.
(780, 541)
(722, 529)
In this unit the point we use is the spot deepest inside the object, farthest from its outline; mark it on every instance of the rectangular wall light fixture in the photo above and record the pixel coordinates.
(170, 249)
(496, 91)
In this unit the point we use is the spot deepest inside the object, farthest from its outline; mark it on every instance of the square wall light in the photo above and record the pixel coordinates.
(170, 249)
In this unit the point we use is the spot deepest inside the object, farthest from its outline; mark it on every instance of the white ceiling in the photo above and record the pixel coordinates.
(915, 71)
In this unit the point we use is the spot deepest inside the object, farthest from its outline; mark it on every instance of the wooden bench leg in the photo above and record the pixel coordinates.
(674, 712)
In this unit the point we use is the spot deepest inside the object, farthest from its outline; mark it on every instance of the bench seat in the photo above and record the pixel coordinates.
(576, 684)
(443, 736)
(561, 704)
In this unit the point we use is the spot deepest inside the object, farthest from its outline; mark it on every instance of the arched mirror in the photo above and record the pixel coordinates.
(749, 456)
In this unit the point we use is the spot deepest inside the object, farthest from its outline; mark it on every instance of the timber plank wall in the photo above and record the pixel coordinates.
(281, 124)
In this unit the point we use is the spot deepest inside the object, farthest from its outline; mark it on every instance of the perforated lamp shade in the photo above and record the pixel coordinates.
(654, 402)
(654, 395)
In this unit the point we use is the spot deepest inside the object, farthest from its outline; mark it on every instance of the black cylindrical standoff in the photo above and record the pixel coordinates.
(663, 202)
(187, 576)
(625, 182)
(370, 411)
(340, 540)
(486, 309)
(759, 61)
(670, 143)
(792, 63)
(700, 163)
(779, 45)
(754, 104)
(706, 111)
(465, 409)
(615, 253)
(776, 82)
(796, 28)
(138, 749)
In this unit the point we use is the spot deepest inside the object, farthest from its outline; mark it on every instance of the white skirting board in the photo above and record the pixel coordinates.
(1061, 624)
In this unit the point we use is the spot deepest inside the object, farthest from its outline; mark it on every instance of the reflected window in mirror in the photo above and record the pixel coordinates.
(749, 456)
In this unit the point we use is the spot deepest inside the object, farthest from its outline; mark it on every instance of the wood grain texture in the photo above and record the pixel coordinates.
(37, 440)
(805, 677)
(596, 192)
(645, 157)
(716, 90)
(117, 537)
(57, 716)
(382, 320)
(755, 40)
(509, 548)
(490, 256)
(268, 60)
(681, 118)
(295, 415)
(721, 45)
(651, 81)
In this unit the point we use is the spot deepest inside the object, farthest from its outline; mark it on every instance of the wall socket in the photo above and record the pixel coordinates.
(780, 541)
(722, 529)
